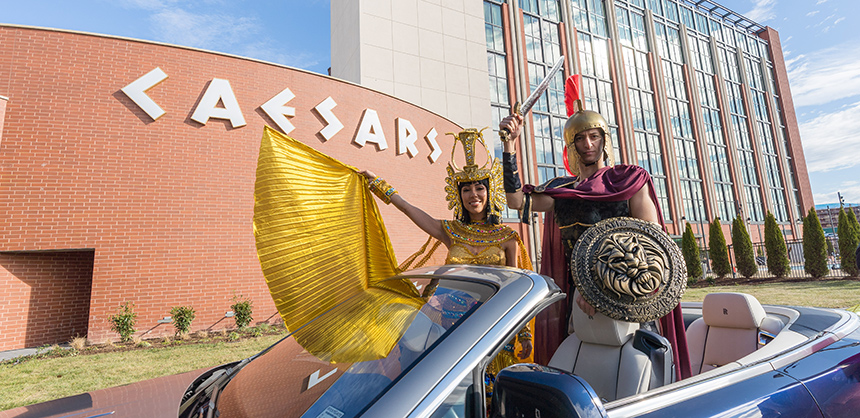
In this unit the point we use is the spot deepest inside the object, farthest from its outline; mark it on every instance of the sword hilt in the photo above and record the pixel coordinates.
(504, 133)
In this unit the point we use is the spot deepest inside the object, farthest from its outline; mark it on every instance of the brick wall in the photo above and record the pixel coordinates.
(167, 204)
(46, 297)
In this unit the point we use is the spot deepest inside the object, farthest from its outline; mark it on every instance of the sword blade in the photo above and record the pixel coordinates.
(544, 84)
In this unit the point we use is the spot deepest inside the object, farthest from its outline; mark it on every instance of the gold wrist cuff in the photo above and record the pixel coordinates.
(382, 189)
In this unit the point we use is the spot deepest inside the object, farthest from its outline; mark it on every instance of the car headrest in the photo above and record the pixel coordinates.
(599, 328)
(732, 310)
(421, 334)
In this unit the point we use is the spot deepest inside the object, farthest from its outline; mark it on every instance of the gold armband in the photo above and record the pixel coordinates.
(382, 190)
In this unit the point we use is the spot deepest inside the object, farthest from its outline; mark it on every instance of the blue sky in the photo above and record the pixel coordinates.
(820, 41)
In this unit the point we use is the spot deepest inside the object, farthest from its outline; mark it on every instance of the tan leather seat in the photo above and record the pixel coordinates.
(604, 352)
(732, 325)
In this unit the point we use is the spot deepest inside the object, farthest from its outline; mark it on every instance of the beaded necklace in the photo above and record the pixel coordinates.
(478, 234)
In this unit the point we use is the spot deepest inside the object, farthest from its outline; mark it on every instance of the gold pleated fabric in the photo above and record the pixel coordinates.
(322, 243)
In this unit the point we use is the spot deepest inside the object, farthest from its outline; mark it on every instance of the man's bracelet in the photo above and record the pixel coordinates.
(382, 189)
(511, 177)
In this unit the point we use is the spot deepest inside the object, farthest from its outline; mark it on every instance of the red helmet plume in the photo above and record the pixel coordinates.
(571, 93)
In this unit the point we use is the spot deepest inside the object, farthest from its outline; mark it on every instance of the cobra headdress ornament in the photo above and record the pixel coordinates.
(471, 172)
(580, 120)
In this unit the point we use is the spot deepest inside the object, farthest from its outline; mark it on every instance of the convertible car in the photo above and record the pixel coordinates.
(748, 360)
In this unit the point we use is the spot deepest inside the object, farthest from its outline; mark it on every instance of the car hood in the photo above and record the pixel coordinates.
(158, 397)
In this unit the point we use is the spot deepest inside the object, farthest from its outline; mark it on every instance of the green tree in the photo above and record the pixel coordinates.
(848, 237)
(777, 252)
(690, 249)
(853, 218)
(814, 249)
(242, 308)
(718, 250)
(123, 321)
(742, 245)
(182, 318)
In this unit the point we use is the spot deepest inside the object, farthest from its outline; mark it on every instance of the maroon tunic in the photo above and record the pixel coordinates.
(609, 184)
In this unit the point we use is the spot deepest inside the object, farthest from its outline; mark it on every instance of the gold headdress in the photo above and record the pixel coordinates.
(491, 170)
(581, 120)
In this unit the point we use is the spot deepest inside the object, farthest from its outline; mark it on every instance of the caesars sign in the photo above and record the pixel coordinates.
(219, 90)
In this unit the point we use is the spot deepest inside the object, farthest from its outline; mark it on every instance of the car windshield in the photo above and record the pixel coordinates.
(287, 380)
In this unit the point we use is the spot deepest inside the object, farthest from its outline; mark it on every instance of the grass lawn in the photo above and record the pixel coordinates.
(44, 379)
(821, 293)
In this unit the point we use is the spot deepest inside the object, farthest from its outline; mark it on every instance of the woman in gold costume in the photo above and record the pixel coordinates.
(476, 235)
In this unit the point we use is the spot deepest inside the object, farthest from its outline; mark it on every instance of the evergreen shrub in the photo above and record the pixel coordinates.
(849, 235)
(742, 244)
(720, 263)
(690, 249)
(777, 252)
(814, 249)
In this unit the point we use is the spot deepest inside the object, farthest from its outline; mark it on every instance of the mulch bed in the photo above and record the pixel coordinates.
(212, 337)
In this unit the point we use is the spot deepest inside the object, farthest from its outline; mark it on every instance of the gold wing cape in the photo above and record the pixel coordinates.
(321, 244)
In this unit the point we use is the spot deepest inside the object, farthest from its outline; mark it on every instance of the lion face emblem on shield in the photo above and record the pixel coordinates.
(630, 266)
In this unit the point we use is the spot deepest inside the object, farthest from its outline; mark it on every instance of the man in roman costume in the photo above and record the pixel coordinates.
(596, 190)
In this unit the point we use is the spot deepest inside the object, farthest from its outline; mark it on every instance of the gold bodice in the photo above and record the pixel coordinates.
(477, 243)
(491, 255)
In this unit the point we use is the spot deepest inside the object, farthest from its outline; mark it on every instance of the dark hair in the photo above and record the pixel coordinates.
(464, 217)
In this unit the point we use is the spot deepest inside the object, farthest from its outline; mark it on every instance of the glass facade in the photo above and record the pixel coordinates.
(542, 49)
(712, 125)
(708, 74)
(675, 85)
(594, 46)
(637, 68)
(764, 132)
(497, 70)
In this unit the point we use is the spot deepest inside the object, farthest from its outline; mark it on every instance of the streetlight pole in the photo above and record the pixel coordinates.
(749, 224)
(758, 227)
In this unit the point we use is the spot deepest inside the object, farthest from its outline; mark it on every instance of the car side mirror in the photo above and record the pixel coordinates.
(532, 390)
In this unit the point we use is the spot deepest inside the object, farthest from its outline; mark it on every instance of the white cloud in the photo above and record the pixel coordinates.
(820, 2)
(762, 10)
(215, 32)
(824, 76)
(831, 141)
(265, 52)
(180, 23)
(813, 13)
(850, 193)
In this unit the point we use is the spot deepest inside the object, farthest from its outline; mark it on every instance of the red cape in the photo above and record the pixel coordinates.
(609, 184)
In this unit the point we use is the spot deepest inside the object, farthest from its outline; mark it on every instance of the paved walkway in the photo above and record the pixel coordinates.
(7, 355)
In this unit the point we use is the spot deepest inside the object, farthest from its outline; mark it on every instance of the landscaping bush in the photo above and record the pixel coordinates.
(848, 239)
(690, 249)
(742, 245)
(242, 308)
(182, 317)
(718, 250)
(814, 249)
(123, 321)
(777, 253)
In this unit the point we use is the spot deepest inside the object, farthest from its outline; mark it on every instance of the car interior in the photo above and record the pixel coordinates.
(726, 330)
(641, 359)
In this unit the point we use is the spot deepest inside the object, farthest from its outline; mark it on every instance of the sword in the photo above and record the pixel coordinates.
(523, 108)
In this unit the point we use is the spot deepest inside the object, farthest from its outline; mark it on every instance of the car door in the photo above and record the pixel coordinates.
(769, 394)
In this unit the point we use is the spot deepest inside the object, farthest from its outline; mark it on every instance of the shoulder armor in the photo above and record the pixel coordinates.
(556, 183)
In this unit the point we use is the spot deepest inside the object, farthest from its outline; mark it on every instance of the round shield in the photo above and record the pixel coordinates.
(629, 269)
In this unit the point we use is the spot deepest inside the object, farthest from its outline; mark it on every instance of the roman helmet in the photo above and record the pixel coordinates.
(580, 120)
